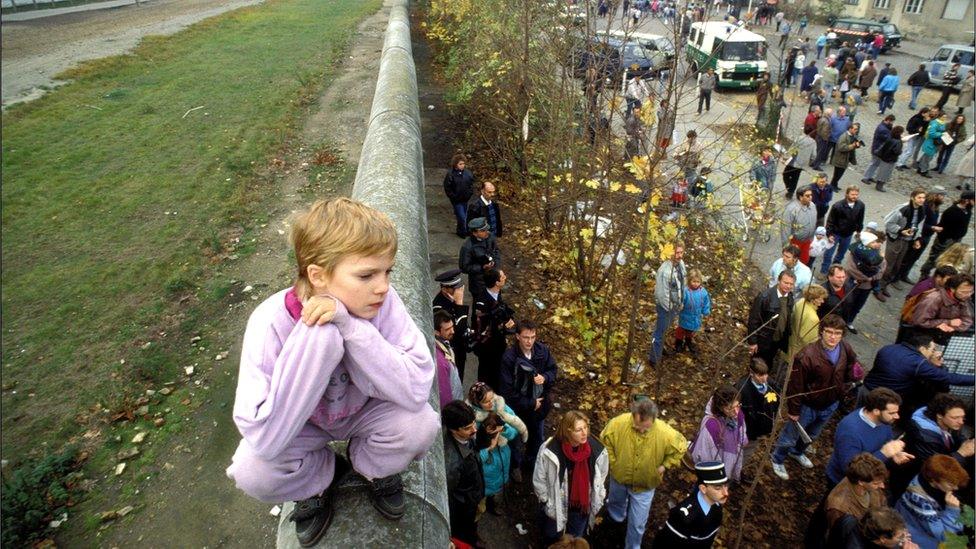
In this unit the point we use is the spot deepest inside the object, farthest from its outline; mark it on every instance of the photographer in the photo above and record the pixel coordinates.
(493, 321)
(528, 373)
(903, 226)
(844, 153)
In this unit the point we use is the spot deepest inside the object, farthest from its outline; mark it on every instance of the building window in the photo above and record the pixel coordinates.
(882, 4)
(913, 6)
(955, 10)
(851, 2)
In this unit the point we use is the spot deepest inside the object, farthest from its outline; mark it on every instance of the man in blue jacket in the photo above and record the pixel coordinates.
(904, 367)
(868, 429)
(528, 373)
(839, 124)
(881, 134)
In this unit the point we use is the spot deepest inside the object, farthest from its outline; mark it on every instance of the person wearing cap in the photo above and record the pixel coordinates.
(954, 225)
(640, 447)
(484, 205)
(478, 255)
(450, 299)
(930, 226)
(695, 522)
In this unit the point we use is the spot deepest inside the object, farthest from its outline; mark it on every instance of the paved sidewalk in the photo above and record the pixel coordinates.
(51, 12)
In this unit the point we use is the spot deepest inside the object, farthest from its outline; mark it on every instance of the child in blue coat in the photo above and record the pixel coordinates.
(496, 457)
(697, 304)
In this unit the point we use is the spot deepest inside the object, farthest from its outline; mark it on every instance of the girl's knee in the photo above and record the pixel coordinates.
(420, 428)
(253, 475)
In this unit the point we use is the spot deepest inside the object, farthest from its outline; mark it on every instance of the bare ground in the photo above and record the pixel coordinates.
(35, 51)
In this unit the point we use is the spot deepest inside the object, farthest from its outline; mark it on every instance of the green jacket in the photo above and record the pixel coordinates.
(635, 457)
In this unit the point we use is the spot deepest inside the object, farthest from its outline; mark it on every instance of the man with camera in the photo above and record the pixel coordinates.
(843, 157)
(493, 321)
(479, 254)
(528, 373)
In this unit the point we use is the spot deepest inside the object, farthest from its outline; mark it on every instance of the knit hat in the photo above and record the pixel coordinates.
(938, 190)
(822, 231)
(868, 237)
(871, 225)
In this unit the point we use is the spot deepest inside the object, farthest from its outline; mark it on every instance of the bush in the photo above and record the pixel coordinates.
(36, 493)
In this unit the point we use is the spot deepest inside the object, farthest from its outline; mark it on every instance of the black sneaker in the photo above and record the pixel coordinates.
(852, 329)
(313, 516)
(387, 496)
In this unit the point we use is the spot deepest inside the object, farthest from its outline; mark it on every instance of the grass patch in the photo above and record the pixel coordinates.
(110, 214)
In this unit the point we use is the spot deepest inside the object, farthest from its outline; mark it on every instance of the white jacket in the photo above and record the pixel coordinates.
(637, 89)
(553, 491)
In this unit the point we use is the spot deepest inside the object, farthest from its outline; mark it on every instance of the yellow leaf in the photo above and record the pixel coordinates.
(592, 183)
(586, 232)
(614, 187)
(667, 251)
(632, 189)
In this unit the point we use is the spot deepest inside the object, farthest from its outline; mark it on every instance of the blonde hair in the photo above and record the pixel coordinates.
(695, 274)
(333, 229)
(954, 255)
(567, 424)
(814, 292)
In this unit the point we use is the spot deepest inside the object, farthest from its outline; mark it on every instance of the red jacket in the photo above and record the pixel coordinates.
(810, 124)
(815, 382)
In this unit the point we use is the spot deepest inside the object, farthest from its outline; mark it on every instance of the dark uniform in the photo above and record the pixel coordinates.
(459, 343)
(490, 317)
(688, 525)
(475, 254)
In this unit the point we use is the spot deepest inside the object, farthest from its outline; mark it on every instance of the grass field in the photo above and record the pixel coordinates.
(118, 194)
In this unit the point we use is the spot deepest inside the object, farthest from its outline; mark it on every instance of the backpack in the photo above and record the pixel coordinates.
(908, 309)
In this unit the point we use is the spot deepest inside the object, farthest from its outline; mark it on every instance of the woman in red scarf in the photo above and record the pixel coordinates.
(569, 478)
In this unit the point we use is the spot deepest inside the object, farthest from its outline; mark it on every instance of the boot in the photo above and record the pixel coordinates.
(692, 348)
(679, 345)
(880, 186)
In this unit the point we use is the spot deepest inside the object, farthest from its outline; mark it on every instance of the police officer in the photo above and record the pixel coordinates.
(694, 522)
(479, 254)
(450, 299)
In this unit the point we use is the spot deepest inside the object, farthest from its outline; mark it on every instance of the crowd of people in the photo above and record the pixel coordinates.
(899, 462)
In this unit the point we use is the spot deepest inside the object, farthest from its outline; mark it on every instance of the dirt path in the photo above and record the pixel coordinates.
(188, 499)
(35, 51)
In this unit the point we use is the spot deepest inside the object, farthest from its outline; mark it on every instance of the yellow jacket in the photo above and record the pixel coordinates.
(804, 327)
(635, 457)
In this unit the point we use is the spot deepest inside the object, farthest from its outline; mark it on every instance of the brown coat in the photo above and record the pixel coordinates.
(866, 77)
(938, 307)
(843, 501)
(815, 382)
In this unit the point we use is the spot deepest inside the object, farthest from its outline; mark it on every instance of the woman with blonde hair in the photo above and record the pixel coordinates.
(960, 256)
(569, 478)
(805, 321)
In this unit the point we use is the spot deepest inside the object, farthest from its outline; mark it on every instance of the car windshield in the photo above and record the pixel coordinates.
(634, 51)
(743, 51)
(664, 45)
(890, 29)
(963, 58)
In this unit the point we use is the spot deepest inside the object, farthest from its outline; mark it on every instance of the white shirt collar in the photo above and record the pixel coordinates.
(864, 418)
(494, 295)
(486, 202)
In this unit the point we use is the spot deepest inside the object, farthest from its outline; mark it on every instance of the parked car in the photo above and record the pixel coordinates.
(617, 58)
(658, 49)
(945, 57)
(857, 30)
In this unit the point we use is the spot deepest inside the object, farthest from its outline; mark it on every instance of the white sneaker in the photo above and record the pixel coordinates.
(803, 460)
(779, 470)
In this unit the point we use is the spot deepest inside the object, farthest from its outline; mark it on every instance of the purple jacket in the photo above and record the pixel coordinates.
(386, 358)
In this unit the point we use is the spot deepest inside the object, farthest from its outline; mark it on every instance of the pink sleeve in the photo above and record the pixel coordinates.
(388, 358)
(270, 412)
